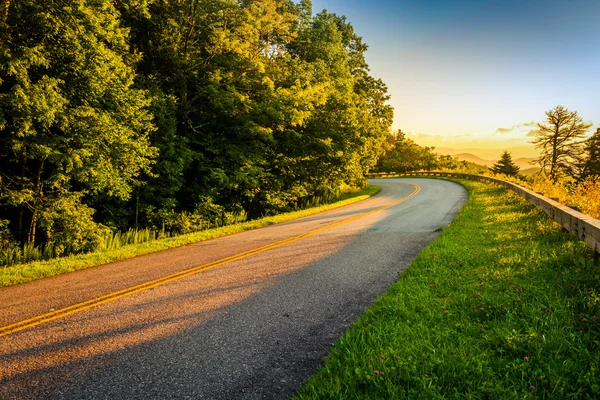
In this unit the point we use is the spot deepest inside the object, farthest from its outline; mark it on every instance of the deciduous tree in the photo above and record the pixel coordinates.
(70, 122)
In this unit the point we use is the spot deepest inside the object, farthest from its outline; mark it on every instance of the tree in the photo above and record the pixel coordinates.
(591, 164)
(258, 104)
(559, 141)
(447, 162)
(405, 155)
(254, 107)
(71, 124)
(505, 165)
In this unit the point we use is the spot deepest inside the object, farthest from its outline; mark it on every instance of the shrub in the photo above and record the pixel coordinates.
(586, 196)
(70, 228)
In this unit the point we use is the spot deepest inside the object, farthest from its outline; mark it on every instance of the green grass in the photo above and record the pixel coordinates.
(22, 273)
(502, 305)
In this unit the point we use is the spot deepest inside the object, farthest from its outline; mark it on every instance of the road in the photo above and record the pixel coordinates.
(255, 327)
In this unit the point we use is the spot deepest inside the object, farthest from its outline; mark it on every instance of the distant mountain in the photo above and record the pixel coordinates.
(523, 162)
(530, 171)
(474, 159)
(526, 163)
(490, 154)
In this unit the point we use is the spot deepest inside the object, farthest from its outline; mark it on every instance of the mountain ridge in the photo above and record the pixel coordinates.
(521, 162)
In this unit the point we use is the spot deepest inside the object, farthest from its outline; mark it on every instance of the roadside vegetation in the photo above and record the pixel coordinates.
(583, 195)
(129, 119)
(568, 166)
(402, 154)
(137, 243)
(502, 305)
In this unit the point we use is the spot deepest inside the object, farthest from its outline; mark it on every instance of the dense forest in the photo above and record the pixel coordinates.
(166, 114)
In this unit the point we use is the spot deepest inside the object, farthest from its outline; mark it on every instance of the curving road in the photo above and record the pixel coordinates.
(254, 327)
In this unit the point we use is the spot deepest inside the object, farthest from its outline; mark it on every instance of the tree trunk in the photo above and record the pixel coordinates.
(32, 227)
(37, 203)
(554, 154)
(20, 212)
(21, 208)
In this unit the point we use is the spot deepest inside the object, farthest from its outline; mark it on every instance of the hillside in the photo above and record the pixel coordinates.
(530, 171)
(523, 162)
(490, 154)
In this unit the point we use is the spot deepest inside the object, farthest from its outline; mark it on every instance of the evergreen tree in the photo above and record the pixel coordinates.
(505, 165)
(591, 165)
(559, 140)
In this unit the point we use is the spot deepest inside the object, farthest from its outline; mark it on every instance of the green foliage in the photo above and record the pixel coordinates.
(26, 265)
(502, 305)
(70, 122)
(69, 227)
(404, 155)
(6, 238)
(266, 123)
(169, 115)
(505, 166)
(591, 163)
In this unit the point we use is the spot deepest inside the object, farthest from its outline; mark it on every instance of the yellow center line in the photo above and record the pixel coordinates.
(75, 308)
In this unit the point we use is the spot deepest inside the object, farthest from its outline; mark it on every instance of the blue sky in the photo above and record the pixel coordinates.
(459, 70)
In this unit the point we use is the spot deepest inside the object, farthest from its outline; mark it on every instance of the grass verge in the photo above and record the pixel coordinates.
(502, 305)
(22, 273)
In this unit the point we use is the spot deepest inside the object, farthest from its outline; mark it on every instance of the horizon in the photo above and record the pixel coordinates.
(476, 74)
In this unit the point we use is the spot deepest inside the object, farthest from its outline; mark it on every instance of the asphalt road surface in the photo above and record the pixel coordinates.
(255, 327)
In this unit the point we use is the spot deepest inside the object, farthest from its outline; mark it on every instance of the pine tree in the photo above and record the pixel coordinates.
(591, 165)
(560, 142)
(505, 165)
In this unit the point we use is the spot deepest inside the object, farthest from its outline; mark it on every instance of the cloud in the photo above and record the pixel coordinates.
(515, 128)
(533, 132)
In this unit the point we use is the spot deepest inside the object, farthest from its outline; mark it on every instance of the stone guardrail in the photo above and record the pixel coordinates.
(581, 225)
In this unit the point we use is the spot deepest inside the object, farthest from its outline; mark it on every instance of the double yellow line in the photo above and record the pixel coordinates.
(75, 308)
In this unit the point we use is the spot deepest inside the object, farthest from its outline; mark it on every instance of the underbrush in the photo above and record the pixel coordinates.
(138, 242)
(583, 196)
(502, 305)
(173, 224)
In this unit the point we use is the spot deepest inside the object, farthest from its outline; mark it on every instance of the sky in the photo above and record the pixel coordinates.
(480, 73)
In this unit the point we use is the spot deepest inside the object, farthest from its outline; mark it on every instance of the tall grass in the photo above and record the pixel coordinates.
(112, 241)
(583, 196)
(19, 262)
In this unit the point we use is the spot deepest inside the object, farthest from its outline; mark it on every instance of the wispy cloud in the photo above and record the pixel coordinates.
(516, 128)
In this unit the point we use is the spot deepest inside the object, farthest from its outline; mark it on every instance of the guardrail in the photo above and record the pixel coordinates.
(581, 225)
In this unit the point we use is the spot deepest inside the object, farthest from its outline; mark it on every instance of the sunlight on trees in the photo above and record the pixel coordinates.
(591, 161)
(153, 114)
(505, 166)
(559, 140)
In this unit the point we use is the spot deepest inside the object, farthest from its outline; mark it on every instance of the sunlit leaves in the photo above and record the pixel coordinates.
(73, 124)
(253, 106)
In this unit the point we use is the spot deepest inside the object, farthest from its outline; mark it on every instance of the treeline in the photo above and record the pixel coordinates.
(402, 154)
(172, 114)
(567, 154)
